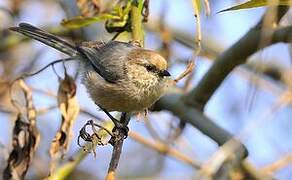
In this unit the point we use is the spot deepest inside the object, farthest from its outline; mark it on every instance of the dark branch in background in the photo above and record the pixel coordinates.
(223, 65)
(232, 57)
(189, 107)
(174, 104)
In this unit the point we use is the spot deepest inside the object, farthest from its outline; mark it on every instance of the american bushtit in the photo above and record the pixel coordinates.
(118, 76)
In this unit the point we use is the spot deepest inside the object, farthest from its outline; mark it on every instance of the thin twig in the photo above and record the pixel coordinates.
(231, 58)
(269, 22)
(117, 141)
(164, 149)
(153, 133)
(279, 164)
(207, 7)
(48, 65)
(198, 27)
(188, 70)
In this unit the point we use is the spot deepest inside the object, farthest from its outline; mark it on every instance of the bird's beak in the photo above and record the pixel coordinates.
(164, 73)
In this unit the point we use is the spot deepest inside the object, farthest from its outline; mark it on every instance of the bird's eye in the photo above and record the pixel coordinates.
(150, 68)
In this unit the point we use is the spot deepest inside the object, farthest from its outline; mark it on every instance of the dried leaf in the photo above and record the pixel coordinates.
(258, 3)
(96, 138)
(88, 8)
(25, 139)
(69, 109)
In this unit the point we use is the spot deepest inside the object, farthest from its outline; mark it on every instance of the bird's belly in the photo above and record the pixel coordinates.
(117, 98)
(123, 100)
(120, 96)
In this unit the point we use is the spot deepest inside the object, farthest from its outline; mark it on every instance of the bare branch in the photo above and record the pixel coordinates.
(174, 104)
(279, 164)
(234, 56)
(117, 141)
(164, 149)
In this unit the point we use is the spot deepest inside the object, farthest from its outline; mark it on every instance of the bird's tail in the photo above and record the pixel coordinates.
(46, 38)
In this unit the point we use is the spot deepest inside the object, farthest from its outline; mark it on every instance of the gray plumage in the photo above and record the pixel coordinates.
(118, 76)
(101, 60)
(111, 69)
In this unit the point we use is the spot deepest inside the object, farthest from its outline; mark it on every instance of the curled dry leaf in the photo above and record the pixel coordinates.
(100, 132)
(69, 109)
(25, 138)
(88, 8)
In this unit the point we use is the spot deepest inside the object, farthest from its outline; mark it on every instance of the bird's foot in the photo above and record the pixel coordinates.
(118, 125)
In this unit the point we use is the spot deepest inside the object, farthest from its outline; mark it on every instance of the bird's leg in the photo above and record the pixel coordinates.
(117, 123)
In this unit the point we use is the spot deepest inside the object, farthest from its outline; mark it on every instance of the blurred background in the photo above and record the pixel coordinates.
(247, 104)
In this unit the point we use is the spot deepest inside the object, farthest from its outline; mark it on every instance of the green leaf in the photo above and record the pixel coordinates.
(80, 21)
(258, 3)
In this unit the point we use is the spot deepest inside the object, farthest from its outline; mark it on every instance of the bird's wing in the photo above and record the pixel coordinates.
(109, 60)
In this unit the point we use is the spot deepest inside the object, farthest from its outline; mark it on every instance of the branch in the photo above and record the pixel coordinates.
(117, 141)
(226, 163)
(65, 170)
(281, 163)
(222, 162)
(188, 107)
(174, 104)
(136, 21)
(234, 56)
(224, 64)
(164, 149)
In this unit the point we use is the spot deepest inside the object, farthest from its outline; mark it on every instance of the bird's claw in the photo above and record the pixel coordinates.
(123, 128)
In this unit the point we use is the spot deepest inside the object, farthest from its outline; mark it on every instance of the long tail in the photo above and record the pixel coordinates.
(46, 38)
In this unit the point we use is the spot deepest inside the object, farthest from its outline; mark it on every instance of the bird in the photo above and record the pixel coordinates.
(118, 76)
